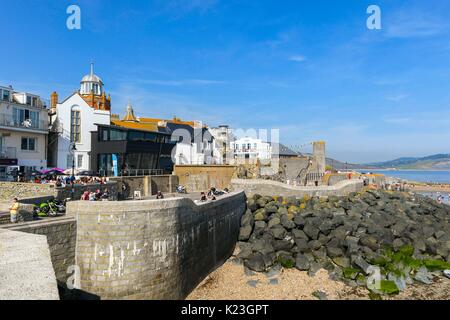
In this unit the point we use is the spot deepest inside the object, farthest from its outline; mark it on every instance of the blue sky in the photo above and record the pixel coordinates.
(310, 68)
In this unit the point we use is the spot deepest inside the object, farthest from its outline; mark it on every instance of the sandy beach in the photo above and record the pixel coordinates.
(232, 282)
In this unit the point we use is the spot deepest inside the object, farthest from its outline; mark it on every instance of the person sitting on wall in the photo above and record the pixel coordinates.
(98, 194)
(159, 195)
(92, 196)
(14, 210)
(203, 197)
(58, 183)
(85, 196)
(105, 195)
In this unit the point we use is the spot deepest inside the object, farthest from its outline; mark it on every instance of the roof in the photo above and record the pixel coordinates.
(129, 116)
(175, 120)
(135, 125)
(127, 128)
(91, 77)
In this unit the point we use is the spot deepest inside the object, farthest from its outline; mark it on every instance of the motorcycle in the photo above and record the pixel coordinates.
(181, 189)
(51, 208)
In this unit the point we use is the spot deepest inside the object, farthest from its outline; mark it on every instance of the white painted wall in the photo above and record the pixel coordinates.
(89, 117)
(258, 149)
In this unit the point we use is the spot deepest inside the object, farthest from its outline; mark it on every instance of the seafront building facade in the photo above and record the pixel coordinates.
(73, 120)
(223, 135)
(195, 145)
(250, 150)
(23, 132)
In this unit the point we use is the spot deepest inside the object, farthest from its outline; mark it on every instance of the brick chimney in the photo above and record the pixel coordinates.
(53, 100)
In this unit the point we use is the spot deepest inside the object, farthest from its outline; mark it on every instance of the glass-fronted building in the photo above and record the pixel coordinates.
(118, 151)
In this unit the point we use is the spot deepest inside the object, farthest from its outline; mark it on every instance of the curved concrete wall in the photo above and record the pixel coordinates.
(273, 188)
(153, 249)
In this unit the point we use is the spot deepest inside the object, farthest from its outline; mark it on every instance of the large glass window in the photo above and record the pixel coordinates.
(136, 136)
(25, 117)
(117, 135)
(107, 134)
(75, 126)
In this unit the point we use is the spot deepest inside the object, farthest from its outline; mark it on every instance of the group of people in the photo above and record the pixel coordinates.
(98, 195)
(212, 193)
(60, 181)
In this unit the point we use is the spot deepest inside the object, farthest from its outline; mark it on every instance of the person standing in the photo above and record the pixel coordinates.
(14, 210)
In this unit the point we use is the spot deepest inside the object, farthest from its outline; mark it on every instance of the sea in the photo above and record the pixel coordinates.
(429, 176)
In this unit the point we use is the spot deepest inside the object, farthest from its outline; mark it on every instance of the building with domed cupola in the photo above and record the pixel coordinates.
(72, 121)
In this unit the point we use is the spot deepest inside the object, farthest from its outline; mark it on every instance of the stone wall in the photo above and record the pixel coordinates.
(10, 190)
(202, 178)
(146, 185)
(270, 188)
(376, 179)
(61, 238)
(153, 249)
(164, 183)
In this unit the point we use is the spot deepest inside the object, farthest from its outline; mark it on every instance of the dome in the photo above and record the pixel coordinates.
(91, 83)
(92, 78)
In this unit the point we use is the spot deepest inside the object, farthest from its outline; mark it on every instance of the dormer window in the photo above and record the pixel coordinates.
(5, 95)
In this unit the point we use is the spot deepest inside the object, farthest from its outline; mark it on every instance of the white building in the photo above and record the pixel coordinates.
(201, 149)
(250, 149)
(23, 131)
(223, 135)
(72, 121)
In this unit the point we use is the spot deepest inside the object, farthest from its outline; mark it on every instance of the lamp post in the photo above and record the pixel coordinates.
(72, 150)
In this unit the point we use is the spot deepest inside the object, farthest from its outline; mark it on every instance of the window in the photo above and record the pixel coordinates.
(5, 95)
(28, 144)
(29, 100)
(80, 161)
(69, 162)
(25, 117)
(117, 135)
(34, 101)
(75, 126)
(136, 136)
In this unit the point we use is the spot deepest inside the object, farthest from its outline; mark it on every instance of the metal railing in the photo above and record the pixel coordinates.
(7, 153)
(133, 172)
(314, 176)
(7, 120)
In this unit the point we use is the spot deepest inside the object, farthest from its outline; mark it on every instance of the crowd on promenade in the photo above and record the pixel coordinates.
(96, 195)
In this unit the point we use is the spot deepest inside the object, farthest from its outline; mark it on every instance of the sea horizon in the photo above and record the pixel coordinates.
(426, 176)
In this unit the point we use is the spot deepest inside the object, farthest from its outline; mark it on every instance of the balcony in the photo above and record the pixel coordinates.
(7, 153)
(7, 120)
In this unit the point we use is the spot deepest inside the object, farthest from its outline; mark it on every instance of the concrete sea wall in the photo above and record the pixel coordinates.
(202, 178)
(153, 249)
(271, 188)
(26, 271)
(61, 239)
